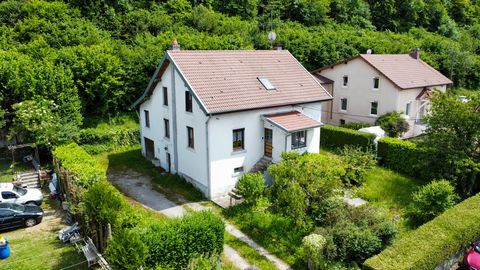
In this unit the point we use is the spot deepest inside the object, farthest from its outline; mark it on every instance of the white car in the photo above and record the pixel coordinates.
(15, 194)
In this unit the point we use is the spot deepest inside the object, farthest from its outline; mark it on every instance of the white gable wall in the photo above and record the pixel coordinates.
(359, 92)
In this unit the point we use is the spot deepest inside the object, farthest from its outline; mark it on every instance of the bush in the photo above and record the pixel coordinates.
(332, 137)
(432, 200)
(355, 126)
(103, 203)
(357, 163)
(204, 262)
(313, 246)
(126, 251)
(174, 243)
(404, 157)
(433, 242)
(393, 123)
(85, 169)
(251, 186)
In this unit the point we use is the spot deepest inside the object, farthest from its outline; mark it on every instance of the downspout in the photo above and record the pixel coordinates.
(174, 121)
(209, 184)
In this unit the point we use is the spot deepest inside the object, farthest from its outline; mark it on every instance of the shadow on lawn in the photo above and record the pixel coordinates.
(170, 184)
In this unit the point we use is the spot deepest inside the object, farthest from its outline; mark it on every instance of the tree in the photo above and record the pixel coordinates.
(393, 123)
(251, 186)
(453, 132)
(384, 14)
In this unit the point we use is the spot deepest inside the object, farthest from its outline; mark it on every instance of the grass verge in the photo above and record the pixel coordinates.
(248, 253)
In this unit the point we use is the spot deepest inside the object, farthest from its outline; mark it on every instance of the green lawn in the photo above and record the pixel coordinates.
(6, 173)
(131, 158)
(248, 253)
(39, 248)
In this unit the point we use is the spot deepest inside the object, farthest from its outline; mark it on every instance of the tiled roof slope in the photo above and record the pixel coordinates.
(226, 81)
(292, 121)
(405, 71)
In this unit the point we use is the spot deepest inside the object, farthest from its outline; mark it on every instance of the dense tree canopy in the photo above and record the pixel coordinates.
(93, 58)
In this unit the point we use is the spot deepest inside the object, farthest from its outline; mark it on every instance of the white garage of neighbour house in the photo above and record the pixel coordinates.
(211, 116)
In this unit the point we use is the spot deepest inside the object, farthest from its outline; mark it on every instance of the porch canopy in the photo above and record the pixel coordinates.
(292, 121)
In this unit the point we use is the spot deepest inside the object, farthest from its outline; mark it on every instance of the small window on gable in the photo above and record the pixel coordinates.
(165, 96)
(238, 170)
(345, 80)
(188, 101)
(343, 104)
(147, 118)
(266, 83)
(374, 108)
(191, 138)
(376, 82)
(166, 123)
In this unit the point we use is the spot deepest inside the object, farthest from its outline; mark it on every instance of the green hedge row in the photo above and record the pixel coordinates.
(333, 137)
(173, 243)
(403, 156)
(97, 140)
(433, 242)
(85, 169)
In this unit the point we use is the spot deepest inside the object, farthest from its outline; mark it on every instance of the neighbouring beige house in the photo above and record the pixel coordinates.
(369, 85)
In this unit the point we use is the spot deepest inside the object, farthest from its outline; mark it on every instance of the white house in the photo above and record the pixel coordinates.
(369, 85)
(212, 115)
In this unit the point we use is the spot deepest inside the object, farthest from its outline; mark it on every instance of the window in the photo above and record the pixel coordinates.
(8, 195)
(147, 118)
(238, 170)
(238, 139)
(6, 213)
(345, 80)
(191, 139)
(188, 101)
(299, 139)
(343, 104)
(407, 108)
(165, 96)
(266, 83)
(342, 121)
(374, 108)
(166, 123)
(376, 82)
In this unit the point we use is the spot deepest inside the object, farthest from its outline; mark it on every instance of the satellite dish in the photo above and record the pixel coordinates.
(369, 51)
(272, 36)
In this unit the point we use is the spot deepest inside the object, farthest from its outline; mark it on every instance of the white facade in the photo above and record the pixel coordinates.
(360, 93)
(211, 164)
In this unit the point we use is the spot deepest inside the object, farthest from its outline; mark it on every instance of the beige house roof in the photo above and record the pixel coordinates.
(292, 121)
(226, 81)
(402, 70)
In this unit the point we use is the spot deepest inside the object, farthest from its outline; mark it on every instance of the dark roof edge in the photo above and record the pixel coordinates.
(150, 84)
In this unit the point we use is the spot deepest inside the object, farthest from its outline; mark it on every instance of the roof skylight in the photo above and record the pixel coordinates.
(266, 83)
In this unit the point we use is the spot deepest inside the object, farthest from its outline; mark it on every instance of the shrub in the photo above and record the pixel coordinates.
(432, 200)
(103, 203)
(85, 169)
(433, 242)
(332, 137)
(393, 123)
(357, 163)
(355, 126)
(404, 157)
(174, 243)
(251, 186)
(126, 251)
(313, 245)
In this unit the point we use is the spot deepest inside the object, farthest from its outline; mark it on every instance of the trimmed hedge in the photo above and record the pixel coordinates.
(85, 169)
(403, 156)
(433, 242)
(173, 243)
(333, 137)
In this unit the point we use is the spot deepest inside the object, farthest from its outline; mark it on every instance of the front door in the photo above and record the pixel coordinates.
(149, 148)
(268, 142)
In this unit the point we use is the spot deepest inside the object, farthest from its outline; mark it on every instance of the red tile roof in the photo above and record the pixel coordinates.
(226, 81)
(405, 71)
(401, 69)
(292, 121)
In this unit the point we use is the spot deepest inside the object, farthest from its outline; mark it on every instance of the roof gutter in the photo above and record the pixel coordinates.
(209, 181)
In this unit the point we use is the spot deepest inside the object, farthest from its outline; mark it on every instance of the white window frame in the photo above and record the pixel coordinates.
(373, 80)
(371, 103)
(408, 106)
(346, 103)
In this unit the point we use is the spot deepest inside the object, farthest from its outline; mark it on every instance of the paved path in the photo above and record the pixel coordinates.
(139, 187)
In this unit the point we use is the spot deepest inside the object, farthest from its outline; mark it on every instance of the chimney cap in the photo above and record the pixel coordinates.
(175, 45)
(415, 53)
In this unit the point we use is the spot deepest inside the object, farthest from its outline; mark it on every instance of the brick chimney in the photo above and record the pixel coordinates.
(415, 53)
(277, 47)
(175, 46)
